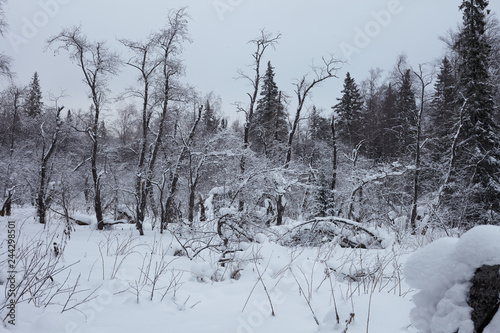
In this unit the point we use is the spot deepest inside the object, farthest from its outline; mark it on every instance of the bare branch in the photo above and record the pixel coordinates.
(303, 87)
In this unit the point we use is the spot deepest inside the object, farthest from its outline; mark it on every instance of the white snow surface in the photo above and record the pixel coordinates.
(442, 271)
(197, 294)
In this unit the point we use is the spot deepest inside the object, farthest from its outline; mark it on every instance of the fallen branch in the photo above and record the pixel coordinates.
(339, 222)
(80, 222)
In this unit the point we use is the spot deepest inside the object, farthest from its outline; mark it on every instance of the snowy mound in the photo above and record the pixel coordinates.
(442, 271)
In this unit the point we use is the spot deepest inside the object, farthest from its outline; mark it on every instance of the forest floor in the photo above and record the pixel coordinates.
(117, 281)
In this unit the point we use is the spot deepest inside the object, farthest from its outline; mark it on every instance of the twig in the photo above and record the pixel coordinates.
(307, 300)
(265, 289)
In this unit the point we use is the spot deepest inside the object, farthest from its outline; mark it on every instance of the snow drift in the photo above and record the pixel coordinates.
(442, 272)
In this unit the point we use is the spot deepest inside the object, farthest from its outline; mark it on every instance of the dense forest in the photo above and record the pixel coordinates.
(409, 148)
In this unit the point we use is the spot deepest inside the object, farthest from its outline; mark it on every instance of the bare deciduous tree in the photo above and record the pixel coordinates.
(98, 63)
(424, 80)
(262, 43)
(5, 61)
(303, 88)
(169, 206)
(13, 99)
(146, 61)
(169, 42)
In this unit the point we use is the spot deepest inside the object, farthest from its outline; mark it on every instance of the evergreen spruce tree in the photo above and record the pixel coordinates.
(34, 102)
(350, 118)
(406, 117)
(373, 96)
(478, 155)
(443, 117)
(386, 138)
(270, 126)
(323, 204)
(210, 120)
(319, 127)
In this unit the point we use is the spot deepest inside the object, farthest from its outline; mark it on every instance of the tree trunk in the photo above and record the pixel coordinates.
(334, 162)
(97, 197)
(141, 204)
(7, 204)
(41, 200)
(192, 198)
(140, 188)
(95, 176)
(203, 216)
(280, 210)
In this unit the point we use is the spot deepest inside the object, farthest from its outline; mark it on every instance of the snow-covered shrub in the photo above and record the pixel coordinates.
(442, 271)
(332, 229)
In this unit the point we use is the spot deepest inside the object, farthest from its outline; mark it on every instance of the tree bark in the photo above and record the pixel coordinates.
(203, 216)
(333, 184)
(46, 155)
(95, 176)
(194, 176)
(6, 209)
(280, 210)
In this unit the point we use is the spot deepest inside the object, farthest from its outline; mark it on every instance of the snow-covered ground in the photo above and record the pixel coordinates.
(116, 281)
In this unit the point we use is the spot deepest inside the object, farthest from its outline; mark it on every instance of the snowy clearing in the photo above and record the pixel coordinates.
(116, 281)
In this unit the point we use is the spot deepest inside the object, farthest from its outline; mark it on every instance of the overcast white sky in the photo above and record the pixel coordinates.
(220, 30)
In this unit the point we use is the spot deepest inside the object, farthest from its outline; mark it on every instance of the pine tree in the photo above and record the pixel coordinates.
(443, 117)
(34, 102)
(270, 126)
(478, 155)
(350, 113)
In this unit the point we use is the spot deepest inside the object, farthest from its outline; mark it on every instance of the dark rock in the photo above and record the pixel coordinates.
(484, 296)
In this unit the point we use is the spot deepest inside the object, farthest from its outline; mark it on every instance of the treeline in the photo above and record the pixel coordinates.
(412, 149)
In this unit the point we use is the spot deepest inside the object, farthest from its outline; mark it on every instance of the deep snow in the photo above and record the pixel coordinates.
(442, 271)
(199, 295)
